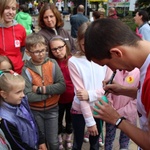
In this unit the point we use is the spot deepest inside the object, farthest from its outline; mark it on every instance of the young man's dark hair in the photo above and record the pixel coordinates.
(104, 34)
(144, 15)
(24, 8)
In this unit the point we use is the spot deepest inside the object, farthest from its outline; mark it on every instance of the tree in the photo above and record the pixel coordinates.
(143, 4)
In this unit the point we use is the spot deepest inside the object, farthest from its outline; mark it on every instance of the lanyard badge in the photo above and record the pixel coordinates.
(17, 43)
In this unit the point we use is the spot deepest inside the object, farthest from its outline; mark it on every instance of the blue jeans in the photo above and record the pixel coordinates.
(47, 122)
(78, 129)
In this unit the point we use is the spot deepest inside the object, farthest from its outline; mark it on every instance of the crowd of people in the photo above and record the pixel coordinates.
(52, 82)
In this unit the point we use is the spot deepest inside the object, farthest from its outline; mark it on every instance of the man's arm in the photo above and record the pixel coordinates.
(108, 114)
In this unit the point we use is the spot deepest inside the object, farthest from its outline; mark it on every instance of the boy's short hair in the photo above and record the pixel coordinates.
(104, 34)
(33, 40)
(24, 8)
(96, 14)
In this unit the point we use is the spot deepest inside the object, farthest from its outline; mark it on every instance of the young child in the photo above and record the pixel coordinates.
(5, 63)
(44, 84)
(87, 78)
(60, 51)
(17, 122)
(125, 106)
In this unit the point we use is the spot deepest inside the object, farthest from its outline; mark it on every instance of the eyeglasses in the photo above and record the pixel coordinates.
(38, 52)
(59, 48)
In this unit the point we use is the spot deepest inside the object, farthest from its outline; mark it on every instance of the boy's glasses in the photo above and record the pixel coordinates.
(59, 48)
(38, 52)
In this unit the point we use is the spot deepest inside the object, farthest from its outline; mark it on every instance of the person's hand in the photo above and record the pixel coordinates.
(119, 89)
(92, 130)
(113, 88)
(42, 147)
(106, 112)
(82, 95)
(34, 88)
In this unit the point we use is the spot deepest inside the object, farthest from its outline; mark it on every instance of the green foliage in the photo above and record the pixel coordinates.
(143, 1)
(142, 4)
(130, 22)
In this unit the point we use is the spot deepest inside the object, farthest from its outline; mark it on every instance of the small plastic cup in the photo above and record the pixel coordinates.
(104, 98)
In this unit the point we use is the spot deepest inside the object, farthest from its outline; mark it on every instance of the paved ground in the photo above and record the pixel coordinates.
(85, 146)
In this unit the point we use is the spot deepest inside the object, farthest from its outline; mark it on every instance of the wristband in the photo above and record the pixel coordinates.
(119, 121)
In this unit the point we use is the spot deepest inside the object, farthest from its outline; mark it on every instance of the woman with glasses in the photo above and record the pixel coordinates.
(61, 52)
(51, 24)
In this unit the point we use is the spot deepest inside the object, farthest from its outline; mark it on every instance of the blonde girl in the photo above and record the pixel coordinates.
(87, 79)
(17, 121)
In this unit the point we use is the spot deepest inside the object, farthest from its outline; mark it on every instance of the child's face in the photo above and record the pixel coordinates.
(5, 65)
(82, 44)
(58, 48)
(137, 18)
(15, 95)
(37, 53)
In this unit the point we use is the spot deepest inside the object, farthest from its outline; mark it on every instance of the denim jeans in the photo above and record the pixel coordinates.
(78, 129)
(47, 122)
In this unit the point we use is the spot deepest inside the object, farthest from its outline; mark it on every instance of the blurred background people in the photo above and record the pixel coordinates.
(112, 13)
(141, 19)
(102, 12)
(77, 20)
(24, 18)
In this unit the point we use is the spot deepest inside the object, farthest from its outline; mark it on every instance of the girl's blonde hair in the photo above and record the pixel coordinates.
(7, 80)
(80, 36)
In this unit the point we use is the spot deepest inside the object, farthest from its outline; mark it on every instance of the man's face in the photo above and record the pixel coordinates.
(137, 18)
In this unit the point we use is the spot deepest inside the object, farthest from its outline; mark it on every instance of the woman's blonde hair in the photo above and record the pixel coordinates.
(102, 10)
(3, 4)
